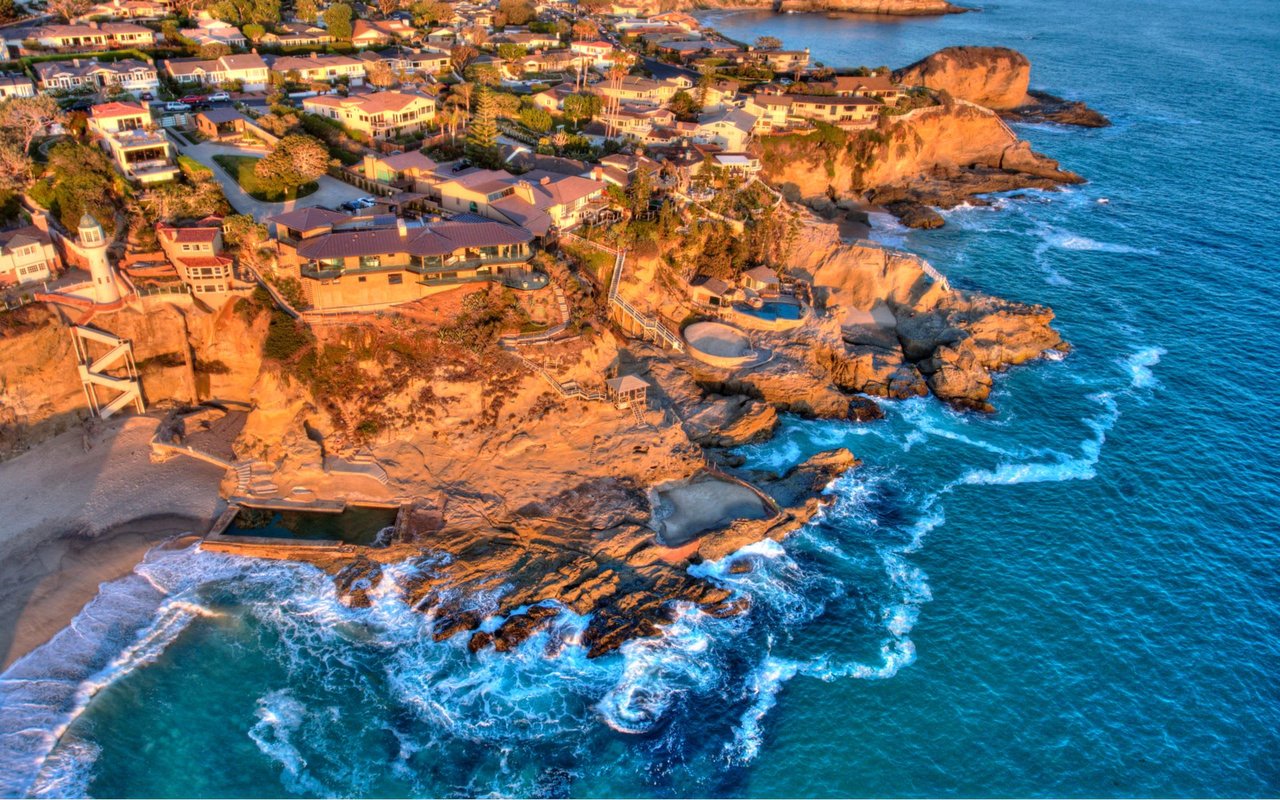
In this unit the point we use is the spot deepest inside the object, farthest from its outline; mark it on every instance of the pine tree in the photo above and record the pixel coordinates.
(482, 132)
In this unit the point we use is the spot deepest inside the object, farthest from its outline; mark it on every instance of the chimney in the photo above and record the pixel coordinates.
(370, 165)
(545, 180)
(402, 227)
(524, 191)
(75, 62)
(315, 55)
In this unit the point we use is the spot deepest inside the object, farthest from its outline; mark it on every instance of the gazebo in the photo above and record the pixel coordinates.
(626, 391)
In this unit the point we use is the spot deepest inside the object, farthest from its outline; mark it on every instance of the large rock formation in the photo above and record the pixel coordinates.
(183, 354)
(995, 77)
(998, 78)
(902, 8)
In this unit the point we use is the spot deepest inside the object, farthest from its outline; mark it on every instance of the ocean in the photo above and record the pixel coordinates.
(1076, 596)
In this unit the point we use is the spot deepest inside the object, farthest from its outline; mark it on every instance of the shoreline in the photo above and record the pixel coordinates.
(41, 593)
(83, 509)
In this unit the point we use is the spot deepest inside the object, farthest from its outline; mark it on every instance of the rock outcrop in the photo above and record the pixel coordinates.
(997, 78)
(940, 156)
(900, 8)
(994, 77)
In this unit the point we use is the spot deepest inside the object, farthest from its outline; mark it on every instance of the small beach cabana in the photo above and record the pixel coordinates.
(708, 291)
(761, 280)
(627, 391)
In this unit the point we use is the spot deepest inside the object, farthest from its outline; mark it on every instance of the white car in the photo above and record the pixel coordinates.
(176, 107)
(219, 97)
(366, 202)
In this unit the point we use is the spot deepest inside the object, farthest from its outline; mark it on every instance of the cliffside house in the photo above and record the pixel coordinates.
(783, 111)
(880, 87)
(375, 262)
(27, 255)
(128, 74)
(532, 41)
(93, 36)
(729, 129)
(196, 252)
(317, 68)
(381, 115)
(141, 151)
(538, 200)
(16, 85)
(849, 111)
(296, 34)
(247, 69)
(743, 165)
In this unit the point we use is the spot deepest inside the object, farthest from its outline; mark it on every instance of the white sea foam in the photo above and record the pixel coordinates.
(126, 626)
(763, 684)
(1139, 367)
(280, 719)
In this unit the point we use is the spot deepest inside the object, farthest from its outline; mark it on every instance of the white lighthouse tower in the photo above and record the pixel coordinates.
(93, 244)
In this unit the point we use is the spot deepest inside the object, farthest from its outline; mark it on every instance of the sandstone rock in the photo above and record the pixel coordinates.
(1048, 108)
(995, 77)
(914, 215)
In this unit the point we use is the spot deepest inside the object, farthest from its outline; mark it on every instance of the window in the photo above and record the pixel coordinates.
(370, 262)
(395, 279)
(362, 279)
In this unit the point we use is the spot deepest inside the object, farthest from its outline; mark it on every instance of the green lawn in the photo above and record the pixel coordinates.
(241, 168)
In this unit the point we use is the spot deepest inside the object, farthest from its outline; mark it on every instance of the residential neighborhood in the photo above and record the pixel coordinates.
(515, 123)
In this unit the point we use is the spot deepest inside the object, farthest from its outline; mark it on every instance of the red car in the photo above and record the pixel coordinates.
(194, 99)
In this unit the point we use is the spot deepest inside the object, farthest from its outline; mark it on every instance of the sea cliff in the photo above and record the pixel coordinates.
(998, 78)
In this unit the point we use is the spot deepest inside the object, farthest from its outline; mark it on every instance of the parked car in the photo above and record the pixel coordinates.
(176, 107)
(220, 97)
(194, 99)
(146, 97)
(365, 202)
(78, 105)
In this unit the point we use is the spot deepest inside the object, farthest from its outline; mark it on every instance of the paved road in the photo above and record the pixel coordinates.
(331, 194)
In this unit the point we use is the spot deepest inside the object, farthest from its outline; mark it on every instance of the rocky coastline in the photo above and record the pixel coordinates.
(900, 8)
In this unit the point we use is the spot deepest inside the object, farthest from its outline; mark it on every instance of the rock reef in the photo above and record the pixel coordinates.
(901, 8)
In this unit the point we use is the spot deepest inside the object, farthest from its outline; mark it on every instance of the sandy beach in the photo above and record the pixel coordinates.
(81, 510)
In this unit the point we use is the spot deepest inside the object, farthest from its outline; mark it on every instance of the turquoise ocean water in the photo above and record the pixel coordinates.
(1077, 596)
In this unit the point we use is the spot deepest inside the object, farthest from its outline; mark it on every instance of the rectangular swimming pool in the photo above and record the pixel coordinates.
(358, 525)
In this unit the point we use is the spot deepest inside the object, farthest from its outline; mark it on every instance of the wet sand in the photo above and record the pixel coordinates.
(42, 590)
(82, 509)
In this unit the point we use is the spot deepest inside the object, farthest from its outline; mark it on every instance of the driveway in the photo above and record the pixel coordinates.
(331, 194)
